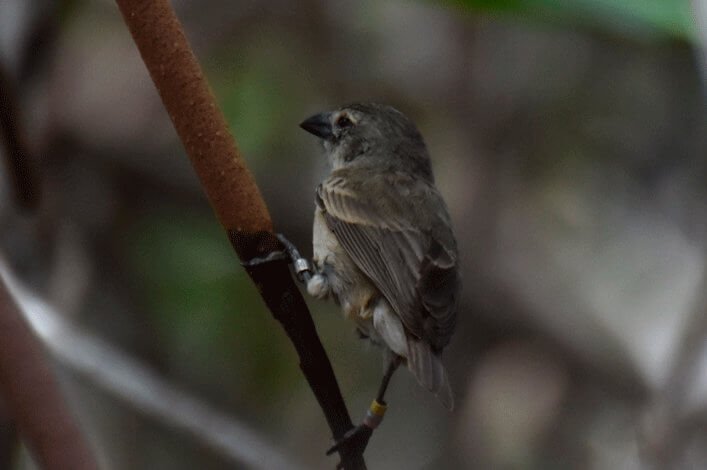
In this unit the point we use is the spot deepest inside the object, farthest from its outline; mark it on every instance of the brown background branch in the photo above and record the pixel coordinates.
(134, 383)
(32, 395)
(233, 194)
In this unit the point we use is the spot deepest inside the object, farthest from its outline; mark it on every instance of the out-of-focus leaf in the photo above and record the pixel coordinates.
(203, 306)
(249, 103)
(638, 18)
(255, 92)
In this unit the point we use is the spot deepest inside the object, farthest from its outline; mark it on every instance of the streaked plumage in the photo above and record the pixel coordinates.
(383, 244)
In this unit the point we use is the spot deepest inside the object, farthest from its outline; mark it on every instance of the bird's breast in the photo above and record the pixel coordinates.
(351, 288)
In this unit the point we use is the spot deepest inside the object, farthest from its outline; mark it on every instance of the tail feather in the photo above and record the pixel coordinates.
(429, 371)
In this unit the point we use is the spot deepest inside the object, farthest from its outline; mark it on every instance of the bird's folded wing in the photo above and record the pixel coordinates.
(395, 235)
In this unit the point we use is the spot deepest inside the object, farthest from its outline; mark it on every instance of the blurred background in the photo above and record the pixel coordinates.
(568, 138)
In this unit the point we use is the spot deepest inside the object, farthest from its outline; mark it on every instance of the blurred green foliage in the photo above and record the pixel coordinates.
(250, 101)
(634, 18)
(255, 93)
(208, 313)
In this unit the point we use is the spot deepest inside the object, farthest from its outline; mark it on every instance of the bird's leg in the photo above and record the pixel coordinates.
(393, 364)
(303, 269)
(316, 281)
(360, 434)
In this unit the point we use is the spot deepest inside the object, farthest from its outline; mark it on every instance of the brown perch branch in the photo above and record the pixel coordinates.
(233, 194)
(32, 395)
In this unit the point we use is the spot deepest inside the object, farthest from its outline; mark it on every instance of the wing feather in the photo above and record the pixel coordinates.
(409, 256)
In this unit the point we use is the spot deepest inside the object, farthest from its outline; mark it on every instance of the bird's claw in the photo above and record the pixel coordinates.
(272, 256)
(302, 268)
(358, 435)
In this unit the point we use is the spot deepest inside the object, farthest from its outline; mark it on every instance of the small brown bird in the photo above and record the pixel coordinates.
(383, 242)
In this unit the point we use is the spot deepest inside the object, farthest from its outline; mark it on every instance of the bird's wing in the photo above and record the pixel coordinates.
(397, 232)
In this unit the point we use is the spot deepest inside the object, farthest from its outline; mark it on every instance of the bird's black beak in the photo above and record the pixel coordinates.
(319, 125)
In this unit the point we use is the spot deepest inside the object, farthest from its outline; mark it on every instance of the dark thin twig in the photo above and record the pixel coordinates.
(14, 142)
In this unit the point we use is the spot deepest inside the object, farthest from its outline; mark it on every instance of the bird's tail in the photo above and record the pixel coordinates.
(427, 367)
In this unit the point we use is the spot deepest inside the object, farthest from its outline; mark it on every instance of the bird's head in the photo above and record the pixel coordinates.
(370, 135)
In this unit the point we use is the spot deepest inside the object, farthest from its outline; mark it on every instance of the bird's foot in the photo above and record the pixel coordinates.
(356, 437)
(302, 268)
(318, 286)
(359, 435)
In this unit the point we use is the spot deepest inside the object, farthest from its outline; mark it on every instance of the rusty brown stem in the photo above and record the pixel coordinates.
(233, 194)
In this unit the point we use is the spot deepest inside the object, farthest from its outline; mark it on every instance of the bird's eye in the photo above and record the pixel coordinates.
(344, 121)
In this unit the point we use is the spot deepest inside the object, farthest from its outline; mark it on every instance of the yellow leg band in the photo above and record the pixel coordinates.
(374, 415)
(378, 409)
